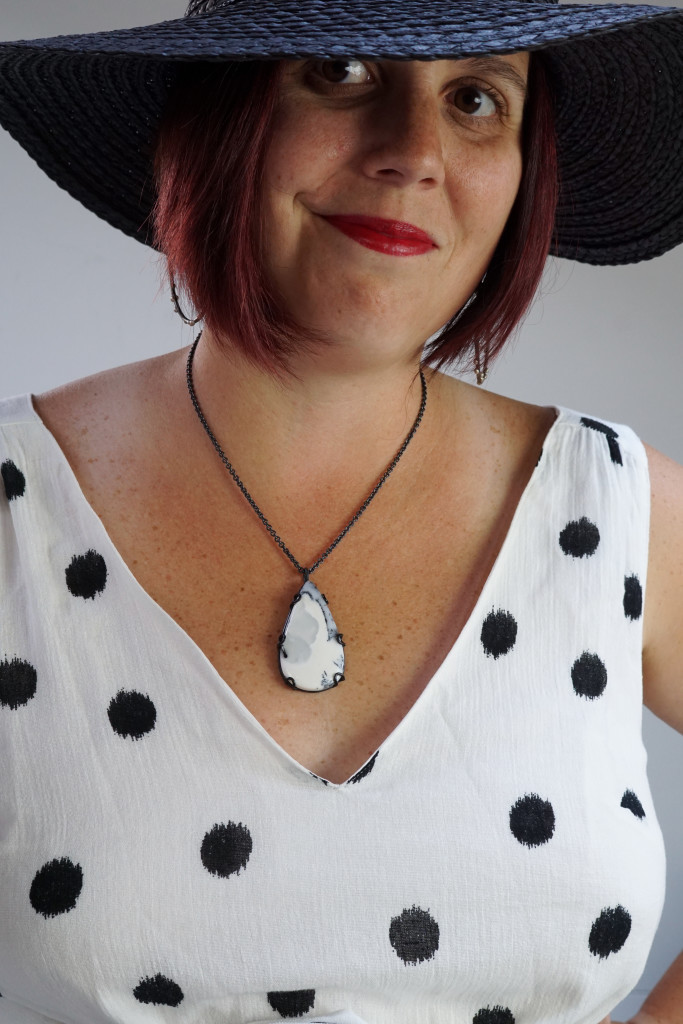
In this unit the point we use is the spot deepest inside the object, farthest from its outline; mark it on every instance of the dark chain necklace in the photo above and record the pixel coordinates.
(311, 650)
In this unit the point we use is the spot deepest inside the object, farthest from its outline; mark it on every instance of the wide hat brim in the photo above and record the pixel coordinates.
(86, 107)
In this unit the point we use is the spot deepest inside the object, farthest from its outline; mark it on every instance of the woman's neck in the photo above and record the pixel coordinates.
(327, 422)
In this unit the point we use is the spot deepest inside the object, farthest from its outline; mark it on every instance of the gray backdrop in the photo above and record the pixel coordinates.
(77, 296)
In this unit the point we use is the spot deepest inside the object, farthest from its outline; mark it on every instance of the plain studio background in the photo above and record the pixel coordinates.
(78, 296)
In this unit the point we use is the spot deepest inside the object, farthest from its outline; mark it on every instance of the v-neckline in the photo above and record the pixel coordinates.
(217, 679)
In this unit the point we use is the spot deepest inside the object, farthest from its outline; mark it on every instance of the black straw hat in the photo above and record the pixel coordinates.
(86, 107)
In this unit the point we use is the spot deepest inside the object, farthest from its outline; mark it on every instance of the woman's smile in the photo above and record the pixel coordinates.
(370, 236)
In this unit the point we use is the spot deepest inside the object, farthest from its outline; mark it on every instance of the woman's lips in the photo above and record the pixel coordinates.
(391, 237)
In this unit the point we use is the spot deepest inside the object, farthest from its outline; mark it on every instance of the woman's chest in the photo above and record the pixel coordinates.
(399, 601)
(400, 585)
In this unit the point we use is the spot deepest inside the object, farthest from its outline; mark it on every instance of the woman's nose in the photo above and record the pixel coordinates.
(408, 144)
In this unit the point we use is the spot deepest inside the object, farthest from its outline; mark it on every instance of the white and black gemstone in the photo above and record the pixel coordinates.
(311, 648)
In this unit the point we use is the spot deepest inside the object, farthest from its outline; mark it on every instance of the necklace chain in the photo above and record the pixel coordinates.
(278, 540)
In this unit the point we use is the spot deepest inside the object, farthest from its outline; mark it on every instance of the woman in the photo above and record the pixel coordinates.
(459, 826)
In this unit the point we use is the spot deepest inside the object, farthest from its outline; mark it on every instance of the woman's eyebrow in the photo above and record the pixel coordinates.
(499, 67)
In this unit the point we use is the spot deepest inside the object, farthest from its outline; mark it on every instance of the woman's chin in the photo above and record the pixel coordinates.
(365, 350)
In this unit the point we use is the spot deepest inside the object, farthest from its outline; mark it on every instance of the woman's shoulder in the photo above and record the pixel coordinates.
(663, 478)
(109, 418)
(112, 428)
(105, 400)
(521, 424)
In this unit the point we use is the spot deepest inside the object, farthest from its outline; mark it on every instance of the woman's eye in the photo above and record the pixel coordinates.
(334, 72)
(470, 99)
(473, 100)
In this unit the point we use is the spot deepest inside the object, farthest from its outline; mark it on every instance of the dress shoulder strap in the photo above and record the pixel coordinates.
(17, 409)
(594, 487)
(615, 440)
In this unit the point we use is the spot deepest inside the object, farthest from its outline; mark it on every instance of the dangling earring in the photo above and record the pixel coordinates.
(174, 300)
(481, 372)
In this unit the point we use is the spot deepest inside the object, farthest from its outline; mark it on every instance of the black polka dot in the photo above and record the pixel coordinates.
(589, 676)
(13, 479)
(17, 683)
(614, 451)
(86, 575)
(633, 598)
(532, 820)
(414, 934)
(226, 849)
(597, 425)
(498, 633)
(580, 538)
(631, 802)
(365, 770)
(56, 887)
(292, 1004)
(131, 714)
(609, 932)
(610, 434)
(494, 1015)
(159, 991)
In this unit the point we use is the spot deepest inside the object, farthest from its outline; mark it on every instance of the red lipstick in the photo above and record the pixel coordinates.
(393, 237)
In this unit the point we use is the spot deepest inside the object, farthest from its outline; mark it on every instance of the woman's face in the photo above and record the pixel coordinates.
(436, 144)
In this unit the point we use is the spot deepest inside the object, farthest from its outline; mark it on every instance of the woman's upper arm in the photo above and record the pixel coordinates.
(663, 622)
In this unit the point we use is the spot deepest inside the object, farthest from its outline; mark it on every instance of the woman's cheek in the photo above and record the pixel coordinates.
(301, 128)
(493, 187)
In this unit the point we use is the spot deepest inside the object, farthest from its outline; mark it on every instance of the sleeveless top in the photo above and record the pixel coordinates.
(162, 858)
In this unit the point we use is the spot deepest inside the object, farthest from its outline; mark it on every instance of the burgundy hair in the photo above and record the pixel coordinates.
(209, 163)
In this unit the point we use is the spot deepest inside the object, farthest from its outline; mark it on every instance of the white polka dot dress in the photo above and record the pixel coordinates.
(496, 861)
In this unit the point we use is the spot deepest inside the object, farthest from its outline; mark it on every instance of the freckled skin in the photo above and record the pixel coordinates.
(390, 142)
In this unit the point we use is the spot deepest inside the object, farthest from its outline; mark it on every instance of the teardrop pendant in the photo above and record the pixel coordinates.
(310, 647)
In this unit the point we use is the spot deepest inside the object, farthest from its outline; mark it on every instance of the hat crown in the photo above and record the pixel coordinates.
(197, 7)
(202, 7)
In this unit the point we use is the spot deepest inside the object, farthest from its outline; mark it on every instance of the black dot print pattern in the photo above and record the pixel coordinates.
(86, 575)
(609, 932)
(131, 714)
(56, 887)
(159, 991)
(631, 802)
(532, 820)
(319, 778)
(292, 1004)
(633, 598)
(494, 1015)
(226, 849)
(364, 771)
(18, 682)
(589, 676)
(13, 479)
(611, 435)
(580, 538)
(498, 633)
(414, 935)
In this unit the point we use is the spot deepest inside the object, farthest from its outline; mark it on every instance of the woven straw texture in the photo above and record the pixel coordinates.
(86, 107)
